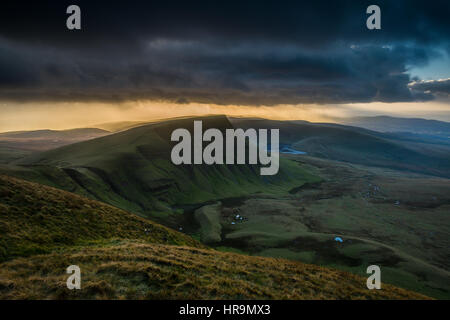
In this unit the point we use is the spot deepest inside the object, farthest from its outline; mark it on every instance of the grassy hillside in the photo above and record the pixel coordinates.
(118, 259)
(132, 170)
(9, 153)
(136, 270)
(37, 219)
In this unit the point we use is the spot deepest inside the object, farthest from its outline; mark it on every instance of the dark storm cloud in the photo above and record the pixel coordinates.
(250, 52)
(438, 87)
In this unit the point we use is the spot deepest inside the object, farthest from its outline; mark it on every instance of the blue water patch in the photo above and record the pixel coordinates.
(287, 149)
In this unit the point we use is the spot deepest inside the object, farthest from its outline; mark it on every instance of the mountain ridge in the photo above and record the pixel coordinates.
(132, 170)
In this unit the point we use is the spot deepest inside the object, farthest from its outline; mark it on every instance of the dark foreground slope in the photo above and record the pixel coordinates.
(119, 260)
(136, 270)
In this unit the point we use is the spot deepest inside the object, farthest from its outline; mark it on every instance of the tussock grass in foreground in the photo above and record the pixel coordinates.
(136, 270)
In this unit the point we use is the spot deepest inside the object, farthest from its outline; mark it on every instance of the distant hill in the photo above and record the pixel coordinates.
(16, 144)
(73, 134)
(358, 145)
(393, 124)
(44, 230)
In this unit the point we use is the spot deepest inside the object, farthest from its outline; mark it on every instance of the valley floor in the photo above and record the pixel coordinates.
(397, 220)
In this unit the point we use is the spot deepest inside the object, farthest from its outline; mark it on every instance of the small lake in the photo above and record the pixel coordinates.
(285, 148)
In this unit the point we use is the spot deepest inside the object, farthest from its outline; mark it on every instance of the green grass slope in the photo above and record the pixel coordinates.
(37, 219)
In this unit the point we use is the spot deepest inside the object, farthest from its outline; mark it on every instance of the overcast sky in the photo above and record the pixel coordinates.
(240, 53)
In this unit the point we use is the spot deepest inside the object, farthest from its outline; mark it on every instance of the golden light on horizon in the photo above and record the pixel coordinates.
(66, 115)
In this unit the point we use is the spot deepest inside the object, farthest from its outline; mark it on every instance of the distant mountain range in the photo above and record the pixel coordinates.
(393, 124)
